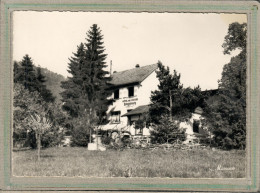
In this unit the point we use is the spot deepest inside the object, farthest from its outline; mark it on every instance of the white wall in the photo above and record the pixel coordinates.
(188, 126)
(148, 85)
(141, 96)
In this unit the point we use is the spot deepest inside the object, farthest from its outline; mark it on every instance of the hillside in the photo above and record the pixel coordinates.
(53, 82)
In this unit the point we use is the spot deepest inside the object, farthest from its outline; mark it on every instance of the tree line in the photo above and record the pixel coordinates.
(37, 117)
(85, 98)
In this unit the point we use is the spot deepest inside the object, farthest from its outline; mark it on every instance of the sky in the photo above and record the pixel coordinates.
(190, 43)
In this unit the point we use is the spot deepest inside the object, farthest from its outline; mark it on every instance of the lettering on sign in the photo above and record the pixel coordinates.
(130, 100)
(129, 104)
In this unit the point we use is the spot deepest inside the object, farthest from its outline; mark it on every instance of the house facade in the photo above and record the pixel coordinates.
(131, 93)
(193, 126)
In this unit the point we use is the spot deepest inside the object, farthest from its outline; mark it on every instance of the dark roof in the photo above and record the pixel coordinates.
(138, 110)
(135, 75)
(211, 92)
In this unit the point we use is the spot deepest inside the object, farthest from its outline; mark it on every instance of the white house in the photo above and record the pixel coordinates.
(193, 126)
(131, 92)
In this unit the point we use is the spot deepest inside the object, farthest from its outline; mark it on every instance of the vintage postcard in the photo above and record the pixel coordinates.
(149, 96)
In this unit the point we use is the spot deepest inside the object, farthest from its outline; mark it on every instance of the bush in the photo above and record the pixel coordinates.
(167, 132)
(80, 136)
(52, 138)
(49, 139)
(126, 141)
(19, 138)
(106, 139)
(31, 140)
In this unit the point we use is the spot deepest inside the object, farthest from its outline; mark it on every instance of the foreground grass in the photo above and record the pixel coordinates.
(75, 161)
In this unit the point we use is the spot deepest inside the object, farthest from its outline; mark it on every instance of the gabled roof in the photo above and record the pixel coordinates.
(138, 110)
(135, 75)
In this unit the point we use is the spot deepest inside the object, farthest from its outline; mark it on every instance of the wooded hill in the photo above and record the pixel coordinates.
(53, 82)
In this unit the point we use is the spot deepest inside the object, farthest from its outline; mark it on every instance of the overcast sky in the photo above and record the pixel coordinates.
(187, 42)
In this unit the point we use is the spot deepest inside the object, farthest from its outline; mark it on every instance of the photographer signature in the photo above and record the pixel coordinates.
(221, 168)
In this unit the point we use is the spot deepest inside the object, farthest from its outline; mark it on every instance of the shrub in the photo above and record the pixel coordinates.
(52, 138)
(31, 140)
(106, 139)
(167, 132)
(126, 141)
(48, 139)
(80, 136)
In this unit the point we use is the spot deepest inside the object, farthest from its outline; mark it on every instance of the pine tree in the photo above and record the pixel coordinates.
(171, 99)
(26, 74)
(74, 94)
(31, 77)
(98, 77)
(86, 92)
(170, 105)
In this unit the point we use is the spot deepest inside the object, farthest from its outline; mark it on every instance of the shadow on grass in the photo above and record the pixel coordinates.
(21, 149)
(47, 156)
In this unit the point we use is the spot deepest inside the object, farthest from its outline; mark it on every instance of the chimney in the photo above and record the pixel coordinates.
(137, 65)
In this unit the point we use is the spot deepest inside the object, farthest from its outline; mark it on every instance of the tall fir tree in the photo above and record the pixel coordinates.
(86, 92)
(74, 93)
(98, 91)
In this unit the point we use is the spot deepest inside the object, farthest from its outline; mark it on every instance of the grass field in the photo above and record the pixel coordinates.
(75, 161)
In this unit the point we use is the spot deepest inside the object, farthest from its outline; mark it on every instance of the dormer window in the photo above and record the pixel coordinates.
(130, 91)
(116, 94)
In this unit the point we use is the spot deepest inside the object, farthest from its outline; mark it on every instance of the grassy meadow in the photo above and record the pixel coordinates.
(76, 161)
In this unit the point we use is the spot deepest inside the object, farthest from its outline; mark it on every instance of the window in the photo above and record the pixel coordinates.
(115, 116)
(130, 91)
(196, 125)
(116, 94)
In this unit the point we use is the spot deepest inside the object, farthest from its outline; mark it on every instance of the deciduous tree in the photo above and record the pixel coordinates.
(39, 124)
(25, 104)
(227, 118)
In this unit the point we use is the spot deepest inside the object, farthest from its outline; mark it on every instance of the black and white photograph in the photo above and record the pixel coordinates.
(128, 95)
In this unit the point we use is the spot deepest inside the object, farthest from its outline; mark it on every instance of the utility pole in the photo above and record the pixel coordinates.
(90, 117)
(170, 93)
